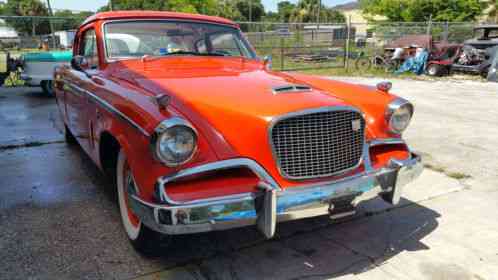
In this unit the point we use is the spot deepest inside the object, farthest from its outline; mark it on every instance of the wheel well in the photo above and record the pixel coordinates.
(108, 152)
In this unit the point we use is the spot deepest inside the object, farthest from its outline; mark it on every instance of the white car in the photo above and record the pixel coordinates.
(38, 68)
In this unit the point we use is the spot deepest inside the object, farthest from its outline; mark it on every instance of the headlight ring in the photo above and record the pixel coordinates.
(174, 142)
(398, 115)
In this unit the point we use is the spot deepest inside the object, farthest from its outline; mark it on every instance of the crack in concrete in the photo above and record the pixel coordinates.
(29, 145)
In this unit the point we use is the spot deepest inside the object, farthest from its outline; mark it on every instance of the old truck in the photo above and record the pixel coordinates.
(200, 134)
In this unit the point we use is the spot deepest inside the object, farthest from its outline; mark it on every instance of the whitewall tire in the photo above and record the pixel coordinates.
(141, 237)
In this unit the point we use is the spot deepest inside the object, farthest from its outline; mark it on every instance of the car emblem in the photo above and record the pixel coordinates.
(356, 125)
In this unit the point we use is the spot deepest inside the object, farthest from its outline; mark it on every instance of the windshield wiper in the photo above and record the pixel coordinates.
(192, 53)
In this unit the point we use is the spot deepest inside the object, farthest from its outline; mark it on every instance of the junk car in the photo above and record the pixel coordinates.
(199, 134)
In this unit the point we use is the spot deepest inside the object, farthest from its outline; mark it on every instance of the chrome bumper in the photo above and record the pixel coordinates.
(271, 204)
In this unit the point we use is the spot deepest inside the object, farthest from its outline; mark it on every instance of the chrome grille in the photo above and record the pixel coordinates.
(318, 144)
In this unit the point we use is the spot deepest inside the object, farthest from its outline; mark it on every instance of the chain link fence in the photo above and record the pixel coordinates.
(293, 46)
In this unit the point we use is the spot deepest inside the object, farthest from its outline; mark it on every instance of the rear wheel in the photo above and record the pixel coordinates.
(143, 239)
(47, 88)
(436, 70)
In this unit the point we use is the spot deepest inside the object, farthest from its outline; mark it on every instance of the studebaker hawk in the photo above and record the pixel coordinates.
(199, 134)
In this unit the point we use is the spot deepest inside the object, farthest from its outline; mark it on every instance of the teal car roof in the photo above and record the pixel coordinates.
(60, 56)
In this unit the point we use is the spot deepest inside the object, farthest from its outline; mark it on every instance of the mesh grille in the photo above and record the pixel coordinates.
(318, 144)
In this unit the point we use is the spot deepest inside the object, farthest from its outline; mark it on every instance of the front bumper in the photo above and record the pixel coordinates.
(272, 205)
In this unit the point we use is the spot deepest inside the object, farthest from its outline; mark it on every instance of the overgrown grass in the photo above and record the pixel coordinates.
(376, 73)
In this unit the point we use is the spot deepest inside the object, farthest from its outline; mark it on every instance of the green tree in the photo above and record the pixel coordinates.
(228, 9)
(285, 9)
(250, 11)
(71, 20)
(307, 10)
(188, 6)
(27, 8)
(423, 10)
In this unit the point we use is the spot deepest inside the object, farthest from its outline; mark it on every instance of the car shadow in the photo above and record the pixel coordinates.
(322, 248)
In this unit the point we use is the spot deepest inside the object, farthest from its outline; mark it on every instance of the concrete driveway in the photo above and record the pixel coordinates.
(59, 217)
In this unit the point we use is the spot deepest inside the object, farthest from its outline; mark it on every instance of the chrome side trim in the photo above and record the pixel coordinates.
(106, 105)
(265, 177)
(275, 120)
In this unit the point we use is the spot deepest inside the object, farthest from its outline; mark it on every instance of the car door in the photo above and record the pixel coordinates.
(78, 100)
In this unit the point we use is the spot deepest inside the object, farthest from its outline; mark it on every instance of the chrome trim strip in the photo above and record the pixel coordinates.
(108, 107)
(275, 120)
(265, 177)
(386, 141)
(266, 180)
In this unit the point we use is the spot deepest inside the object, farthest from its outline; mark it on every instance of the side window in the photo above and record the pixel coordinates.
(88, 48)
(225, 43)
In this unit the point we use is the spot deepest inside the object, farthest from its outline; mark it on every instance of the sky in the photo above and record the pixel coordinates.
(93, 5)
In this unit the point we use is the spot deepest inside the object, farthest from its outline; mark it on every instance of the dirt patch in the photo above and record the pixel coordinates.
(442, 169)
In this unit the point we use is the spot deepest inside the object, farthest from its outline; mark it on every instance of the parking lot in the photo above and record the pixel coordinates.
(59, 217)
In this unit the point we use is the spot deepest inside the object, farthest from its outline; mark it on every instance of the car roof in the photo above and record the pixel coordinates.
(155, 15)
(487, 26)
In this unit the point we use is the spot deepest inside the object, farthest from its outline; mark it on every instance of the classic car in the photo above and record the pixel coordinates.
(199, 134)
(37, 68)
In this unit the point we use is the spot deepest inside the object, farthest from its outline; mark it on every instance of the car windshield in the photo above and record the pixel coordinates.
(483, 33)
(130, 39)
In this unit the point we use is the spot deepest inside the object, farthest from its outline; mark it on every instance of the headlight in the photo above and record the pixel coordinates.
(174, 142)
(398, 115)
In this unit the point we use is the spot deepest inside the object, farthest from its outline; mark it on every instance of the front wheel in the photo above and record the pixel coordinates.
(143, 239)
(47, 88)
(363, 64)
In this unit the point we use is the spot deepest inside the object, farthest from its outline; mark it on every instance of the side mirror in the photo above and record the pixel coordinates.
(79, 63)
(267, 61)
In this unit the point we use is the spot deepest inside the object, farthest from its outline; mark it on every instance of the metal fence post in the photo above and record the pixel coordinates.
(348, 37)
(446, 31)
(281, 53)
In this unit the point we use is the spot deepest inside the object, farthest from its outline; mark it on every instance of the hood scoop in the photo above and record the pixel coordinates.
(291, 89)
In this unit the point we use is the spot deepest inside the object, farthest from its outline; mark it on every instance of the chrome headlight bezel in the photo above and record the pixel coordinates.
(161, 131)
(396, 107)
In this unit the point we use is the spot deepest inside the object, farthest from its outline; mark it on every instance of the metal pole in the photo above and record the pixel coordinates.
(429, 26)
(348, 37)
(250, 10)
(110, 5)
(318, 13)
(52, 35)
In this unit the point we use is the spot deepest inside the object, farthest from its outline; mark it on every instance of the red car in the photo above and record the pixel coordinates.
(200, 134)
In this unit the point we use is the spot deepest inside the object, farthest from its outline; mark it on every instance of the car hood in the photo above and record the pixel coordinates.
(234, 96)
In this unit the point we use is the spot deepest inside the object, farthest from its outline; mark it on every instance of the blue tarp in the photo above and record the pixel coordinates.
(415, 64)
